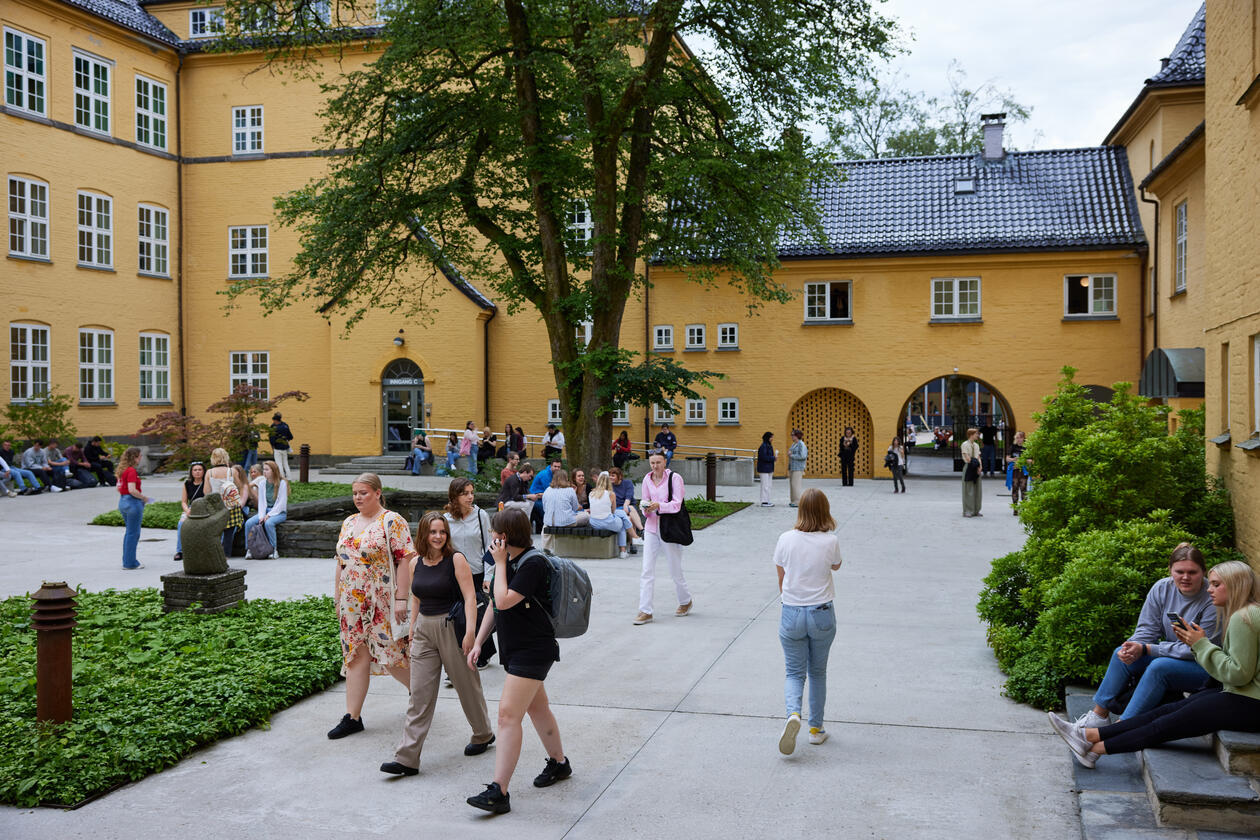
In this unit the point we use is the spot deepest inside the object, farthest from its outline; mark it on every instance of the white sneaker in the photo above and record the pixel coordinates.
(817, 735)
(1091, 720)
(56, 489)
(1081, 749)
(787, 741)
(275, 555)
(249, 556)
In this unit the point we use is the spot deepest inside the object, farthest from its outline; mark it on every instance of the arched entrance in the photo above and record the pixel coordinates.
(402, 405)
(822, 416)
(952, 404)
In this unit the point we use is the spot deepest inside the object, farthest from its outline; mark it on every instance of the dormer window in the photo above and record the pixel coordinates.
(964, 186)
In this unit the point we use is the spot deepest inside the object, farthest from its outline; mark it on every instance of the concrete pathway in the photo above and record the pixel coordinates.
(671, 727)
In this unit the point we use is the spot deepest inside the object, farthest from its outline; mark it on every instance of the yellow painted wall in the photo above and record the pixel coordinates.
(1179, 315)
(1232, 286)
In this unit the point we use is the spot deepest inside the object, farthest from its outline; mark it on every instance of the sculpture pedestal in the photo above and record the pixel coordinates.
(215, 593)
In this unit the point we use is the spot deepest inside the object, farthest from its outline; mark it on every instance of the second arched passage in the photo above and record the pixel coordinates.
(822, 415)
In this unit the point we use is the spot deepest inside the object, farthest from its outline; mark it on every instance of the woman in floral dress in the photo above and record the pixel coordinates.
(374, 552)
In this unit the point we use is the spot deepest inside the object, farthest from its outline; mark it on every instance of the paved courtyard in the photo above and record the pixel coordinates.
(671, 727)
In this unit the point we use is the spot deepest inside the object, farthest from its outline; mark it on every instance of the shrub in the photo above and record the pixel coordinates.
(41, 419)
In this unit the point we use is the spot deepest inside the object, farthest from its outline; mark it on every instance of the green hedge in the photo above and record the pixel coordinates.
(151, 687)
(166, 514)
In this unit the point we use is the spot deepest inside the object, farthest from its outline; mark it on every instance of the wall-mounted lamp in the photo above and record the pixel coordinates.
(955, 370)
(399, 341)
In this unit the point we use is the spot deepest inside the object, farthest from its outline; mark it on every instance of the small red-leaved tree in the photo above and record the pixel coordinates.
(189, 439)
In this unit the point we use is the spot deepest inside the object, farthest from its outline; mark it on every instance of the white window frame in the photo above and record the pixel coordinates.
(582, 332)
(728, 411)
(662, 414)
(1094, 283)
(322, 10)
(96, 365)
(155, 367)
(386, 9)
(29, 367)
(246, 258)
(697, 413)
(151, 113)
(722, 342)
(250, 367)
(247, 129)
(695, 337)
(1181, 215)
(621, 414)
(1255, 383)
(553, 412)
(827, 288)
(663, 337)
(205, 23)
(25, 86)
(953, 309)
(580, 223)
(28, 217)
(153, 236)
(91, 107)
(96, 230)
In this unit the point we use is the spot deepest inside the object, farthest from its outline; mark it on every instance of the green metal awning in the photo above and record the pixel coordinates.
(1172, 372)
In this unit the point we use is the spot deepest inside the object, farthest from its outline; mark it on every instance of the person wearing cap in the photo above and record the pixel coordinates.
(666, 442)
(553, 442)
(280, 437)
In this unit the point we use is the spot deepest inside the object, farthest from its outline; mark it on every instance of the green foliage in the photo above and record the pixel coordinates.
(1113, 494)
(150, 687)
(189, 439)
(44, 418)
(705, 513)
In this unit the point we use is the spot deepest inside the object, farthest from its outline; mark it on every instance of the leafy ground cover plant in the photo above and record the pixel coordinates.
(151, 687)
(704, 513)
(166, 514)
(1113, 494)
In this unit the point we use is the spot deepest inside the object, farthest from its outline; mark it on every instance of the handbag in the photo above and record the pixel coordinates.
(675, 527)
(257, 543)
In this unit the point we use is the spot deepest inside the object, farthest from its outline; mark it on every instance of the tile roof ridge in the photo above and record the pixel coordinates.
(1185, 64)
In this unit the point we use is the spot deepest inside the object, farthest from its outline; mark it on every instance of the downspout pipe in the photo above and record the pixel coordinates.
(1154, 258)
(485, 361)
(179, 200)
(647, 343)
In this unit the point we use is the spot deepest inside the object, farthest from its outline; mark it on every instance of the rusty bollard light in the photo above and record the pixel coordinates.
(304, 463)
(52, 616)
(710, 477)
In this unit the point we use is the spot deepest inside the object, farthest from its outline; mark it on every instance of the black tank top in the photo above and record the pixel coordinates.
(435, 586)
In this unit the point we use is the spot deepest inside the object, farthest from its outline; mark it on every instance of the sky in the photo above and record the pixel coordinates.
(1077, 63)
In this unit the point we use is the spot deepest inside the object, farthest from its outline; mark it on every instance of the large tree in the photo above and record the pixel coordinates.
(483, 127)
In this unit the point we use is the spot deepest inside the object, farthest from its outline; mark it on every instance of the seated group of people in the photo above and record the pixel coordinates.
(1192, 666)
(477, 446)
(941, 437)
(46, 468)
(554, 497)
(259, 497)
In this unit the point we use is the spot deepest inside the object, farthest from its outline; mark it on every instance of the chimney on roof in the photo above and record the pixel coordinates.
(1163, 63)
(993, 125)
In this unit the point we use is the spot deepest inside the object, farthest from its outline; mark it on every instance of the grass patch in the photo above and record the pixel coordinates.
(166, 514)
(704, 513)
(150, 687)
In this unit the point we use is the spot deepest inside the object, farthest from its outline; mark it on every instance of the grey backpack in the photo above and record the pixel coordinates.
(569, 588)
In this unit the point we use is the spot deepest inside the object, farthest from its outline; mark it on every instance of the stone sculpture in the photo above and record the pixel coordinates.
(202, 536)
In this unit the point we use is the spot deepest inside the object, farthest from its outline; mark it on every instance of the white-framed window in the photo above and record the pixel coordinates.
(150, 113)
(91, 92)
(96, 365)
(28, 362)
(28, 218)
(247, 251)
(319, 11)
(1255, 383)
(386, 9)
(582, 332)
(697, 411)
(829, 301)
(662, 414)
(955, 297)
(154, 240)
(553, 411)
(258, 18)
(205, 23)
(1226, 385)
(695, 337)
(621, 414)
(728, 336)
(663, 337)
(155, 368)
(580, 223)
(1089, 294)
(251, 367)
(247, 130)
(728, 410)
(24, 73)
(1179, 249)
(96, 230)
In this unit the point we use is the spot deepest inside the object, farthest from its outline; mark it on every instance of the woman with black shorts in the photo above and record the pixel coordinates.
(527, 648)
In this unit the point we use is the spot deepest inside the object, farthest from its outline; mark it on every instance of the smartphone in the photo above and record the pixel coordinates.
(1178, 621)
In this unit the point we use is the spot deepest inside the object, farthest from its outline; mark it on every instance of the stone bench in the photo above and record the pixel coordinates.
(581, 542)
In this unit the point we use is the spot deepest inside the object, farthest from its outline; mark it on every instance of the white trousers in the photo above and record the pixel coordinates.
(766, 479)
(654, 546)
(281, 457)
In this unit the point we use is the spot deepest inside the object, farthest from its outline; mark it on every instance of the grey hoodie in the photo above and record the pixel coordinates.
(1153, 623)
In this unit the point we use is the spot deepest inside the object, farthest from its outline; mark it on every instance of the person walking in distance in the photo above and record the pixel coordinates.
(897, 464)
(279, 436)
(971, 495)
(848, 456)
(1019, 473)
(797, 455)
(662, 492)
(766, 456)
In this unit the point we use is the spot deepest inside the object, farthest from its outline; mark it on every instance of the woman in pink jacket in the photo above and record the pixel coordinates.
(657, 497)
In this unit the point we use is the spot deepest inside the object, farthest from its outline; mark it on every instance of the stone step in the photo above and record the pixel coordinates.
(1238, 752)
(357, 469)
(1189, 789)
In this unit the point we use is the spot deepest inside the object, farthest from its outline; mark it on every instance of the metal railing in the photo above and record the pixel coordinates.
(534, 445)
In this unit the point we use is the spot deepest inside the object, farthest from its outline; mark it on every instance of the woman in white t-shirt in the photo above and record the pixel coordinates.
(804, 558)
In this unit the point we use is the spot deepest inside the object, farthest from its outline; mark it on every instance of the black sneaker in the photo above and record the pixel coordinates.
(492, 799)
(553, 772)
(395, 769)
(478, 749)
(347, 726)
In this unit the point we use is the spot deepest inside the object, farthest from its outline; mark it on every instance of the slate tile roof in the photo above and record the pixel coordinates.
(1187, 65)
(1028, 201)
(128, 14)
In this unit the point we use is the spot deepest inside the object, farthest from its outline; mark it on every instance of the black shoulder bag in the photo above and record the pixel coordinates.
(675, 527)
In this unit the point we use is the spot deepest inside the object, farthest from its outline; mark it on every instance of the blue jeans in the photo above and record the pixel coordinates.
(23, 478)
(1156, 676)
(806, 634)
(251, 458)
(418, 457)
(269, 526)
(132, 510)
(451, 455)
(618, 522)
